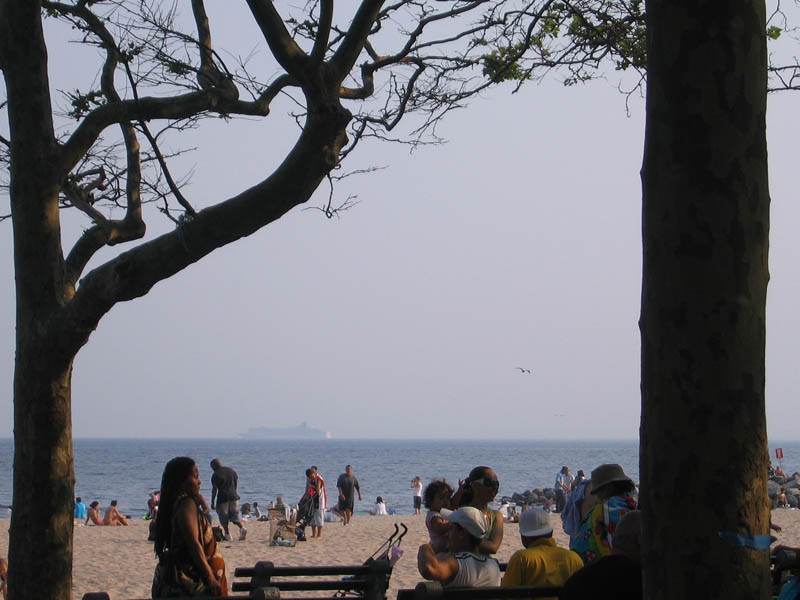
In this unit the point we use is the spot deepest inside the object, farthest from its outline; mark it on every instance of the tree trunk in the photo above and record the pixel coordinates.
(705, 236)
(40, 545)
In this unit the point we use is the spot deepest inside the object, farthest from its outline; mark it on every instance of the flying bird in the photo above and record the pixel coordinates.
(524, 370)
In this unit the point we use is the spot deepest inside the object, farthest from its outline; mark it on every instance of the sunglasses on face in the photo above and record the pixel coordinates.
(487, 482)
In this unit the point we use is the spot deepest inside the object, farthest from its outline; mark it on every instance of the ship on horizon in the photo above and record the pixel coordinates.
(302, 431)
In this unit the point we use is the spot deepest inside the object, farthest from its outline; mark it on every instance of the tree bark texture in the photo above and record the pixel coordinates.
(705, 237)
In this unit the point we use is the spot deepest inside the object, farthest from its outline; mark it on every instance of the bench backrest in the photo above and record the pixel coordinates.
(433, 590)
(371, 580)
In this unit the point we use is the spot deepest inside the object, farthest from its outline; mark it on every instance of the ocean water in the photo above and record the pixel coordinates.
(127, 470)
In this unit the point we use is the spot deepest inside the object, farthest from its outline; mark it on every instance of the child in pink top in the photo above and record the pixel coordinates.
(436, 497)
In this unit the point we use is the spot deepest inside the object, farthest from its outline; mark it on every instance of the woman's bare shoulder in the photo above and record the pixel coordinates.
(185, 504)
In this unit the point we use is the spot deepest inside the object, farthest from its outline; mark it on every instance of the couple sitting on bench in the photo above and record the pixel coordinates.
(550, 570)
(540, 563)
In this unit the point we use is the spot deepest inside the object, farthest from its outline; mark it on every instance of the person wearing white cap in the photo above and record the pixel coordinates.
(540, 562)
(462, 566)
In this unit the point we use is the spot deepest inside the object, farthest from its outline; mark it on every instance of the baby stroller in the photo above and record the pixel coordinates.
(383, 559)
(305, 512)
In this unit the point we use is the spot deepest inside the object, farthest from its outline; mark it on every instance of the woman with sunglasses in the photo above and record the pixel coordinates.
(477, 491)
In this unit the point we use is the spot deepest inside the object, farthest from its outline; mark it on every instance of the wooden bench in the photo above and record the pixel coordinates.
(433, 590)
(105, 596)
(268, 581)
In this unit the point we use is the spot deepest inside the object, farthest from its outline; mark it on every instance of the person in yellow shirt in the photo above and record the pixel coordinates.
(540, 562)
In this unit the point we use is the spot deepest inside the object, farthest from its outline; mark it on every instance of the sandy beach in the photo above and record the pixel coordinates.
(120, 560)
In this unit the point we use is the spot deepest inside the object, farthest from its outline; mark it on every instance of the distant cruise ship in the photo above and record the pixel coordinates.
(302, 431)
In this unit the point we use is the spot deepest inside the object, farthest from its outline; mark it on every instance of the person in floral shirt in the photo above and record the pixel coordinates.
(606, 502)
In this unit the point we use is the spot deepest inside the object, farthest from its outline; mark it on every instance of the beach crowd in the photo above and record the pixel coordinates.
(465, 532)
(596, 550)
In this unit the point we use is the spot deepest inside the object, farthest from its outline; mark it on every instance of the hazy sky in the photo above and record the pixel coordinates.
(517, 244)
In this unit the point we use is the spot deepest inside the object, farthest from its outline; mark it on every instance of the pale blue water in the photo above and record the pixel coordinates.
(129, 469)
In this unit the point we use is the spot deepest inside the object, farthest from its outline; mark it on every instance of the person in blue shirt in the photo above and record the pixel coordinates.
(80, 509)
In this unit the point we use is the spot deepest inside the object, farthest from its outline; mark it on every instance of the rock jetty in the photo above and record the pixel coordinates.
(534, 497)
(790, 484)
(540, 496)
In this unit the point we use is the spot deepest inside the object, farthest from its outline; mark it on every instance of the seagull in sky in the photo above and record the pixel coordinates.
(524, 370)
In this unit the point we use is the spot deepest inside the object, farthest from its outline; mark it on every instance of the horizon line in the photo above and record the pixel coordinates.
(334, 439)
(378, 439)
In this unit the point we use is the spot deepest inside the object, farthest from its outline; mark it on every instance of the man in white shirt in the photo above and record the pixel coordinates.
(462, 566)
(563, 486)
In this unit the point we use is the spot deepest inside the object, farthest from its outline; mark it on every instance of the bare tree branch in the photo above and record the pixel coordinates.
(132, 225)
(328, 209)
(286, 51)
(145, 109)
(204, 35)
(323, 33)
(159, 156)
(78, 199)
(82, 252)
(209, 76)
(346, 55)
(788, 77)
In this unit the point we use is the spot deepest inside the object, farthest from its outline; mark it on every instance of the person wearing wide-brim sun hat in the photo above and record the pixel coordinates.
(607, 500)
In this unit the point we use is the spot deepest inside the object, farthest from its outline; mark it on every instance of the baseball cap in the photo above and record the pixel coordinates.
(534, 522)
(471, 519)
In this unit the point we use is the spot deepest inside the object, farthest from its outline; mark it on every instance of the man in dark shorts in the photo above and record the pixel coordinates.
(224, 482)
(347, 484)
